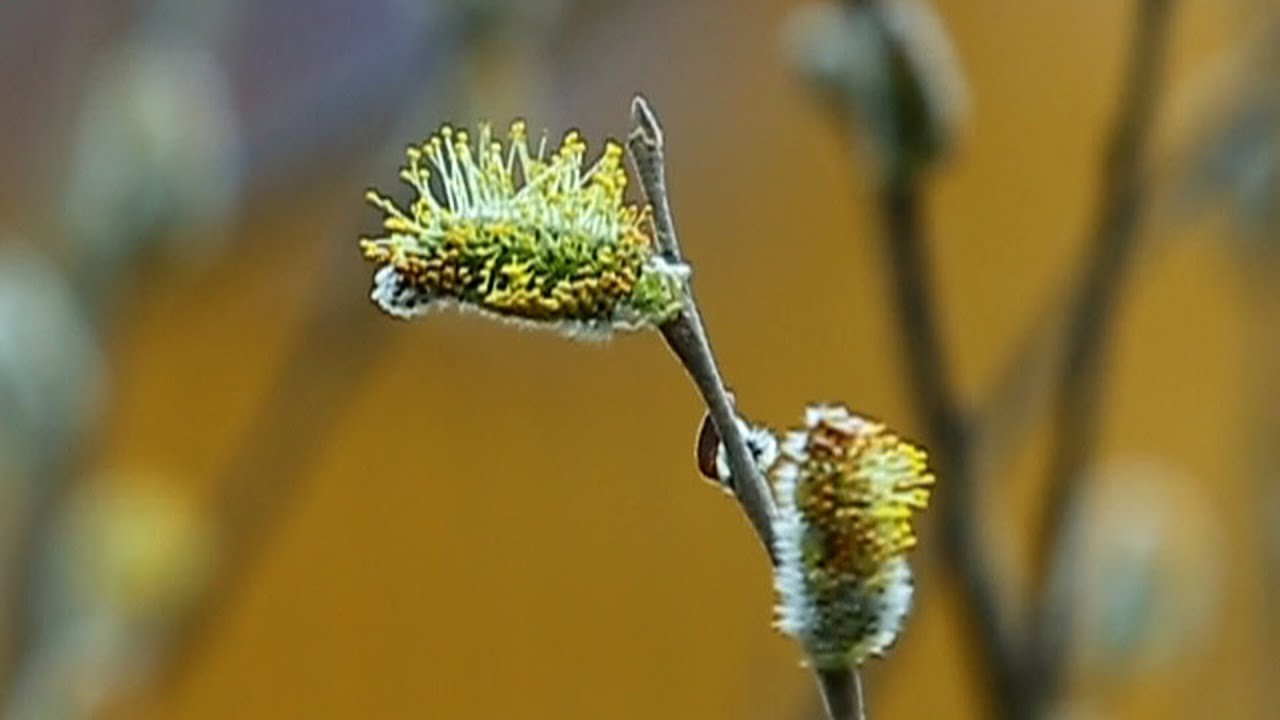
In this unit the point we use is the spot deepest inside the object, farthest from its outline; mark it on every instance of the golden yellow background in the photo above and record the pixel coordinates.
(504, 524)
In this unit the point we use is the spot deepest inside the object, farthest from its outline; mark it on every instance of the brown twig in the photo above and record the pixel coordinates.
(841, 694)
(687, 338)
(686, 335)
(1078, 390)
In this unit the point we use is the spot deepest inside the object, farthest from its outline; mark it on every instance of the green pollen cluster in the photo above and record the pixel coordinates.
(523, 236)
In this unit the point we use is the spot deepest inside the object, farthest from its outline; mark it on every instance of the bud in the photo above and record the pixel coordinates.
(847, 491)
(157, 153)
(893, 66)
(51, 375)
(1147, 575)
(125, 562)
(1229, 154)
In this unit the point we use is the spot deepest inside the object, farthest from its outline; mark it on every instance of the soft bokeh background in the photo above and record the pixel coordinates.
(342, 516)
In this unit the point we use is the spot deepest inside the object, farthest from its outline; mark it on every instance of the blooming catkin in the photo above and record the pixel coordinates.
(524, 236)
(847, 490)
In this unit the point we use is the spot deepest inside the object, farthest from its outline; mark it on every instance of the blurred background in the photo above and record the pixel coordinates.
(229, 487)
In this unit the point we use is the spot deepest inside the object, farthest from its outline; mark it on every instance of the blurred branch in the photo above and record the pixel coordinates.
(949, 439)
(892, 71)
(51, 479)
(1231, 162)
(686, 336)
(53, 356)
(341, 338)
(311, 390)
(314, 386)
(1010, 409)
(1078, 391)
(874, 56)
(133, 77)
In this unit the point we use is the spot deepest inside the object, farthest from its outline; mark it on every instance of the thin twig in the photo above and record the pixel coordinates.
(687, 338)
(841, 694)
(686, 335)
(1078, 391)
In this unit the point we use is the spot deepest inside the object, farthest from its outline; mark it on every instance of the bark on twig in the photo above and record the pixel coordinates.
(841, 694)
(686, 335)
(687, 338)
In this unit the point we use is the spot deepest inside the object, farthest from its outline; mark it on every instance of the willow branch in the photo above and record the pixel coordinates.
(687, 338)
(686, 335)
(1077, 397)
(338, 340)
(841, 694)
